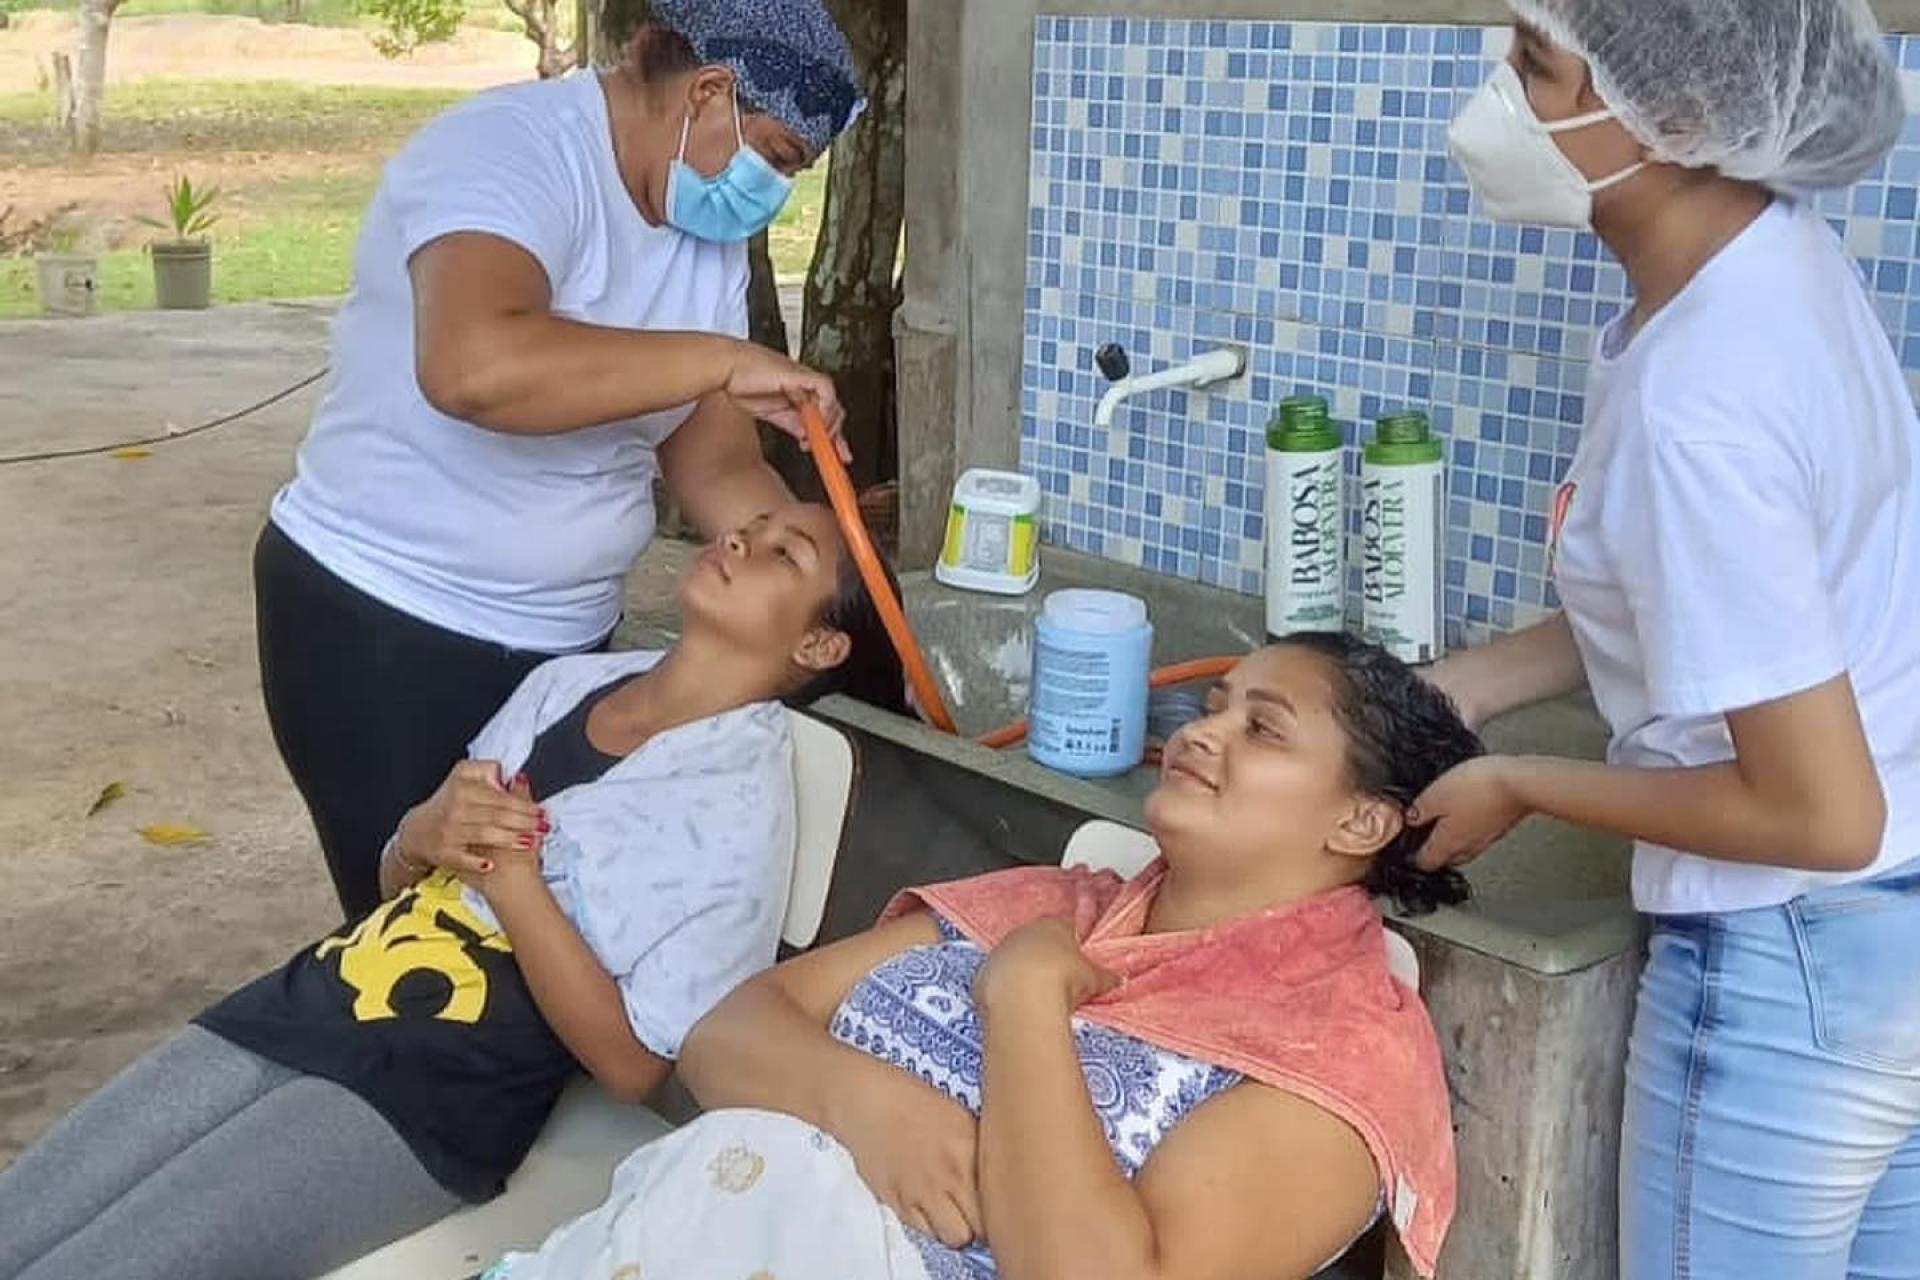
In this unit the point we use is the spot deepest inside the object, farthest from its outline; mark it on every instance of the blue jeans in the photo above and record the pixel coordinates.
(1772, 1126)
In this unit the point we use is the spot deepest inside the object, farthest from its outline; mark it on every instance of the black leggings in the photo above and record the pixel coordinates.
(370, 707)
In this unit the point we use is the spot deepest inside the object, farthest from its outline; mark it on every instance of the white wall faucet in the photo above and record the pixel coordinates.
(1204, 370)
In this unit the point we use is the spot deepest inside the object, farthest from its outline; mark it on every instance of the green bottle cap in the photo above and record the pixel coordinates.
(1301, 425)
(1403, 439)
(1301, 408)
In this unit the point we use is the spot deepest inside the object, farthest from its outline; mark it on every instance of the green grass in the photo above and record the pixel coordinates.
(301, 250)
(313, 13)
(296, 243)
(288, 237)
(162, 117)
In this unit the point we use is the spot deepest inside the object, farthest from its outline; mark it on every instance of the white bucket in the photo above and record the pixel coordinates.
(68, 282)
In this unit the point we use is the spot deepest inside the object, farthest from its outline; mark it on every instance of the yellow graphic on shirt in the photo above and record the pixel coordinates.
(429, 927)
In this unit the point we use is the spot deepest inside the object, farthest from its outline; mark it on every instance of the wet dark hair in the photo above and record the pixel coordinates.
(872, 671)
(1402, 733)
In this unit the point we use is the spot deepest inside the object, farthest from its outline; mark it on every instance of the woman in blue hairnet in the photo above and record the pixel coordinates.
(1737, 548)
(548, 310)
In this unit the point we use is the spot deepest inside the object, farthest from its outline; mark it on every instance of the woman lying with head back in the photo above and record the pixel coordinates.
(1205, 1072)
(586, 912)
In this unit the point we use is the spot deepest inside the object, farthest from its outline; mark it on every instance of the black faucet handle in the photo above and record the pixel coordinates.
(1113, 362)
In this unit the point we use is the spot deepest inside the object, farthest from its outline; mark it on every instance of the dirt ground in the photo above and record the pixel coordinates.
(217, 47)
(105, 201)
(126, 655)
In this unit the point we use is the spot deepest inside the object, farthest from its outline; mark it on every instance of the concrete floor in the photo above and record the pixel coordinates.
(126, 655)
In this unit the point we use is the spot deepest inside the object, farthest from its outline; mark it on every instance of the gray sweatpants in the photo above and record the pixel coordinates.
(204, 1160)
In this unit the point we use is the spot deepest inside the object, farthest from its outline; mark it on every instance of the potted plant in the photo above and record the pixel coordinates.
(66, 279)
(183, 266)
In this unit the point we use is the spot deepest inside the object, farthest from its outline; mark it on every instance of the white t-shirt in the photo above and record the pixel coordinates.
(521, 540)
(1744, 524)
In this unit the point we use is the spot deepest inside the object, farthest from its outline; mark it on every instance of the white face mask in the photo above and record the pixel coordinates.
(1512, 162)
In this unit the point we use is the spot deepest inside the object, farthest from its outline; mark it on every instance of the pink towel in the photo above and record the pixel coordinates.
(1298, 997)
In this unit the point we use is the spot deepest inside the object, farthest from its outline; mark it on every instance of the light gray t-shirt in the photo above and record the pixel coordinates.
(674, 863)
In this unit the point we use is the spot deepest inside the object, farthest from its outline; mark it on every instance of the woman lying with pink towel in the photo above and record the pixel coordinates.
(1204, 1072)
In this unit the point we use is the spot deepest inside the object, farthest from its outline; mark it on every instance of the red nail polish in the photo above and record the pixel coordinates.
(545, 826)
(526, 842)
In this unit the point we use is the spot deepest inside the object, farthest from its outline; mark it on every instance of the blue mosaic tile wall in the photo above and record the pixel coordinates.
(1285, 187)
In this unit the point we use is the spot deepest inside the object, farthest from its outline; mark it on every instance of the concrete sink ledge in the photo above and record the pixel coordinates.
(1550, 898)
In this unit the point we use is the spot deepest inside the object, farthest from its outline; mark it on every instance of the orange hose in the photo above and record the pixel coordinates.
(846, 508)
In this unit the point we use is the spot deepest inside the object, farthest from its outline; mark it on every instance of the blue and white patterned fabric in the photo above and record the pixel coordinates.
(916, 1011)
(789, 59)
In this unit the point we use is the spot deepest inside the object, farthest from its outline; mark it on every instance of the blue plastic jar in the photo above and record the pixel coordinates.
(1088, 711)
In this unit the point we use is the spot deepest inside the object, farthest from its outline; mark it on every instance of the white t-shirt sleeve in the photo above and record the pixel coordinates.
(715, 898)
(485, 168)
(690, 969)
(509, 732)
(1718, 551)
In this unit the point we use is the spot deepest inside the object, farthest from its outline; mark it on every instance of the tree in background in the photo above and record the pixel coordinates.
(78, 90)
(559, 49)
(408, 24)
(405, 25)
(853, 286)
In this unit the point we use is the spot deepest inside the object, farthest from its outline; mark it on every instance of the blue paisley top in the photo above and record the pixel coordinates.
(916, 1011)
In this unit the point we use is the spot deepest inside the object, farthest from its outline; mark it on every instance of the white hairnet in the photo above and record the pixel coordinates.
(1800, 95)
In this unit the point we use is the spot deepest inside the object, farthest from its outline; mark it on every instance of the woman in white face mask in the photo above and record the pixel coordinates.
(548, 313)
(1737, 547)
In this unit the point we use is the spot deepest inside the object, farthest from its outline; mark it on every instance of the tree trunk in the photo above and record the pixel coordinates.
(541, 18)
(90, 78)
(767, 325)
(766, 322)
(63, 94)
(293, 10)
(852, 289)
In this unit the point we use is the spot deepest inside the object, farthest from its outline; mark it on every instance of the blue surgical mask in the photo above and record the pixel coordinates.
(733, 205)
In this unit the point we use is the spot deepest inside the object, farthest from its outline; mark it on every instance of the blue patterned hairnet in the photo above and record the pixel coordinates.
(788, 58)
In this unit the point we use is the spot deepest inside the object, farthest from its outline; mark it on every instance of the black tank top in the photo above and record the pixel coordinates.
(420, 1009)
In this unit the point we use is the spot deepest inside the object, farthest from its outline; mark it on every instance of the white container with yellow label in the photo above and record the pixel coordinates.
(992, 533)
